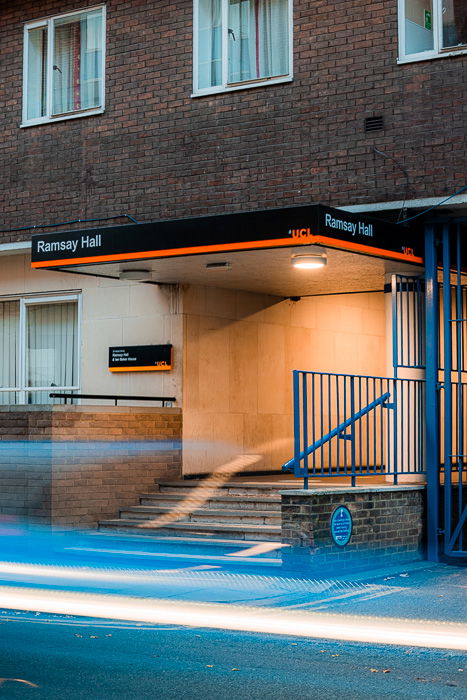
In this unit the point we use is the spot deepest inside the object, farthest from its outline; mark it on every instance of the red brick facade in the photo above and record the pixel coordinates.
(157, 152)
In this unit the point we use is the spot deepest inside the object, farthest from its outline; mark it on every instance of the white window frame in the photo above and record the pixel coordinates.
(24, 302)
(49, 23)
(437, 51)
(244, 85)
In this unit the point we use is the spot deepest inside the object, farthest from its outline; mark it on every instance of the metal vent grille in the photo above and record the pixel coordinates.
(374, 124)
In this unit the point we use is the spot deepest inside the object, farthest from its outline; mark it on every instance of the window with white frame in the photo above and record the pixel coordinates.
(238, 43)
(431, 28)
(38, 348)
(63, 73)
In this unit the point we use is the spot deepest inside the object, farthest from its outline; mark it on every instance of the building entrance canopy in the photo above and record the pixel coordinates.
(254, 246)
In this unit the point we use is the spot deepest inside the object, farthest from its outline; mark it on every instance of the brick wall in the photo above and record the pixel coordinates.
(388, 526)
(76, 465)
(159, 153)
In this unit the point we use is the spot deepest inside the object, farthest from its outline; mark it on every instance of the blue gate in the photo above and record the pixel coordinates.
(446, 376)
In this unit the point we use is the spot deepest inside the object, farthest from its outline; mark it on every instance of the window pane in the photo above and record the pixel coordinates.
(418, 26)
(77, 61)
(454, 23)
(51, 345)
(9, 345)
(258, 39)
(209, 43)
(36, 87)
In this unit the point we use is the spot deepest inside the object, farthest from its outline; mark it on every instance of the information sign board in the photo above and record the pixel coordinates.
(140, 358)
(341, 526)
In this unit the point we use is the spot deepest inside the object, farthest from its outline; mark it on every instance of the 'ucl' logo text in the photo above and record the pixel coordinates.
(300, 233)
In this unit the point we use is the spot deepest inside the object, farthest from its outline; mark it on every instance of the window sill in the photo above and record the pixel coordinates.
(61, 118)
(243, 86)
(416, 58)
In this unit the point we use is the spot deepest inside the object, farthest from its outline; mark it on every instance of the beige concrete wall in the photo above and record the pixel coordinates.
(240, 350)
(114, 312)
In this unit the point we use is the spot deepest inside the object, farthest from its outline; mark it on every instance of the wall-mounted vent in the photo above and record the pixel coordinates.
(374, 124)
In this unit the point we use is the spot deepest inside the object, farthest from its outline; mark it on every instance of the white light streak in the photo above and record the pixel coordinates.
(372, 630)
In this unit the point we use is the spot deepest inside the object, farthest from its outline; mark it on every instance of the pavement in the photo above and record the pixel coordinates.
(179, 570)
(110, 617)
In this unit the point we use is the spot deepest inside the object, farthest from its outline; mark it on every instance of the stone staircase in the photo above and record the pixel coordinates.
(236, 510)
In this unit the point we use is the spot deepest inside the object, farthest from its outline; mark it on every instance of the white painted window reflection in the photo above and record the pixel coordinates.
(431, 28)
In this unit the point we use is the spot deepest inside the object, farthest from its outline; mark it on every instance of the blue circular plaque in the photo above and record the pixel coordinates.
(341, 526)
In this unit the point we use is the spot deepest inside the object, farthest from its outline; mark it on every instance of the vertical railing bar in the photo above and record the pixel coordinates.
(360, 427)
(460, 418)
(396, 431)
(383, 389)
(305, 428)
(447, 384)
(402, 432)
(329, 421)
(419, 324)
(352, 429)
(296, 420)
(421, 352)
(420, 428)
(408, 308)
(367, 384)
(345, 418)
(313, 419)
(401, 323)
(321, 416)
(384, 458)
(375, 447)
(389, 414)
(395, 318)
(414, 458)
(339, 421)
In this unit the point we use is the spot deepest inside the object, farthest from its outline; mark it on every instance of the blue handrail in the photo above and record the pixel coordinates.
(288, 466)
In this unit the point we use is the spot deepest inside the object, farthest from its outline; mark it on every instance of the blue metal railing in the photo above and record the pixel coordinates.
(408, 321)
(349, 425)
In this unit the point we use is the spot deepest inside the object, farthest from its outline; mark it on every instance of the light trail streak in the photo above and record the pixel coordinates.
(372, 630)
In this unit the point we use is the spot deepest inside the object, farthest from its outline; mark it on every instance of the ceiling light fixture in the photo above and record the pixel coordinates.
(218, 266)
(135, 275)
(309, 262)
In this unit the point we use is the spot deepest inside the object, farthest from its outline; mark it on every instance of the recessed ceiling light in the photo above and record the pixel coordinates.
(218, 266)
(136, 275)
(309, 262)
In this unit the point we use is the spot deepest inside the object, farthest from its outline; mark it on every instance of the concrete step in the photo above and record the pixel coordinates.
(170, 500)
(203, 515)
(238, 531)
(231, 488)
(176, 546)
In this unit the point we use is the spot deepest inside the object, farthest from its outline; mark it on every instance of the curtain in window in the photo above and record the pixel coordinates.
(454, 23)
(9, 351)
(51, 347)
(66, 67)
(91, 60)
(209, 43)
(77, 63)
(37, 73)
(258, 39)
